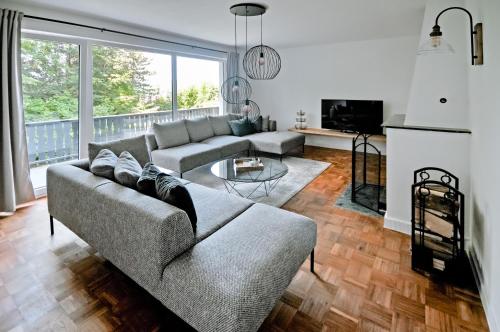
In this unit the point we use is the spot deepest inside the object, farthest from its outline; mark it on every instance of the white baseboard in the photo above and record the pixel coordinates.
(478, 276)
(397, 225)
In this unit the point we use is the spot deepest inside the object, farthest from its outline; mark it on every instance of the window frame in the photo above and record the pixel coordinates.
(85, 97)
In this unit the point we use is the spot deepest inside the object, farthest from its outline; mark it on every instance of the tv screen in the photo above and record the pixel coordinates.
(354, 116)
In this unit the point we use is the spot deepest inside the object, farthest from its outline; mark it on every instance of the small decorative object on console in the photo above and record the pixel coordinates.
(300, 120)
(248, 164)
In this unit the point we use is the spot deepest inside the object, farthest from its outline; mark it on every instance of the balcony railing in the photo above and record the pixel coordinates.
(55, 141)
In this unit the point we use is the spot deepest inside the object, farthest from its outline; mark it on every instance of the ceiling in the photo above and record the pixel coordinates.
(288, 23)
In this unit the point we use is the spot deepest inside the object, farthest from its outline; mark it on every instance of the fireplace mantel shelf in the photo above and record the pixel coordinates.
(397, 121)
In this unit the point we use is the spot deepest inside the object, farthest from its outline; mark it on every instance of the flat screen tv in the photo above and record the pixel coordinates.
(362, 116)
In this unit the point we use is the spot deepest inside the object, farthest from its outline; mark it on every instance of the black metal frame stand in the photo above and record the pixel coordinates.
(361, 141)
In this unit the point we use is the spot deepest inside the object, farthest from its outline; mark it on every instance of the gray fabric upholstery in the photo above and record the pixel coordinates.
(229, 145)
(272, 125)
(199, 129)
(186, 157)
(127, 170)
(237, 274)
(138, 233)
(265, 123)
(151, 140)
(171, 134)
(214, 208)
(104, 164)
(137, 146)
(279, 142)
(235, 116)
(220, 125)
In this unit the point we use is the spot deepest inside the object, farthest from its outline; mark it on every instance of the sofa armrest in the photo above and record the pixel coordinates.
(137, 233)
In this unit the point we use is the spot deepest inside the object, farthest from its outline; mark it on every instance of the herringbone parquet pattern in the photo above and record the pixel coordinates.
(363, 278)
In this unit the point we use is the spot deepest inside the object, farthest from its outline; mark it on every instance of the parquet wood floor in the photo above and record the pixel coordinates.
(363, 279)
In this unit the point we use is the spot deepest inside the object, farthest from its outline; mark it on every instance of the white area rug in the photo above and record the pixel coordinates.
(300, 173)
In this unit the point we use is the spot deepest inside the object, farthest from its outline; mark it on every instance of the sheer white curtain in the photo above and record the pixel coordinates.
(233, 70)
(15, 182)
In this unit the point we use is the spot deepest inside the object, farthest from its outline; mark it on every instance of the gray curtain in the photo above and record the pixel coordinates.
(15, 182)
(232, 70)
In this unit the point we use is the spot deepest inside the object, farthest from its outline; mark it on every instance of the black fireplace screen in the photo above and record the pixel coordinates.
(368, 175)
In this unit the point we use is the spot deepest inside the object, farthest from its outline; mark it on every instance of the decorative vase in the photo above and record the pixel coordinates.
(300, 120)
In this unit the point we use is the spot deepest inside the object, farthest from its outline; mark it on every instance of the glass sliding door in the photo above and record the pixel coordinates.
(131, 90)
(50, 77)
(198, 82)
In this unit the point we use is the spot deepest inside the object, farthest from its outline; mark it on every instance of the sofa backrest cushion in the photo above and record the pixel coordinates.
(242, 127)
(233, 116)
(199, 129)
(220, 125)
(265, 123)
(137, 147)
(171, 134)
(104, 164)
(173, 192)
(127, 170)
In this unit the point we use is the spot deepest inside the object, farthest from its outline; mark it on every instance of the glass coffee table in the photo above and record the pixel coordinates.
(265, 179)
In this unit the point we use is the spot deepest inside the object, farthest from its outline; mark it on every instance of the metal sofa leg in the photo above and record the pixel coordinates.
(180, 174)
(51, 225)
(281, 158)
(312, 261)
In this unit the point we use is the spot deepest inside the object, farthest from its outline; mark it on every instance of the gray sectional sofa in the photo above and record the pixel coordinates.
(225, 276)
(186, 144)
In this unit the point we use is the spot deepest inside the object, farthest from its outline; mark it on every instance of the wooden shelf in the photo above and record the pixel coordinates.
(334, 133)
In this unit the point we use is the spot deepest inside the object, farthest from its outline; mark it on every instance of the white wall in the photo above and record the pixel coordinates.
(408, 150)
(443, 75)
(375, 69)
(485, 157)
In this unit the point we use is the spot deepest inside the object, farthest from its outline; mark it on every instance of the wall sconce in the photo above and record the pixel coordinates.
(437, 45)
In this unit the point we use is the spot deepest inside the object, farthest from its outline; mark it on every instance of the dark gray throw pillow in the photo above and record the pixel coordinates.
(172, 191)
(257, 123)
(127, 170)
(104, 164)
(147, 182)
(241, 127)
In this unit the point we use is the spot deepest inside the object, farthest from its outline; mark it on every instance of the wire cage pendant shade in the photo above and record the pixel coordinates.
(235, 90)
(250, 109)
(262, 62)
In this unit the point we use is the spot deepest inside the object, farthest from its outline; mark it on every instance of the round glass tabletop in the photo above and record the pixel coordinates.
(226, 169)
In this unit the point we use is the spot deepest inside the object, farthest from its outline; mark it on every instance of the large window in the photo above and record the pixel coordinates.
(50, 76)
(198, 84)
(77, 91)
(132, 89)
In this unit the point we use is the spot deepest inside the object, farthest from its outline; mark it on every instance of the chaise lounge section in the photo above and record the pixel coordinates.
(225, 276)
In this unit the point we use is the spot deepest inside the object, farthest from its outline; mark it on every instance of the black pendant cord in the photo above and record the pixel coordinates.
(236, 47)
(121, 33)
(472, 32)
(246, 40)
(261, 32)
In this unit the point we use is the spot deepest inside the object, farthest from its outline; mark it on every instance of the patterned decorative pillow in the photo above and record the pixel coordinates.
(147, 181)
(127, 170)
(265, 123)
(172, 191)
(242, 127)
(104, 164)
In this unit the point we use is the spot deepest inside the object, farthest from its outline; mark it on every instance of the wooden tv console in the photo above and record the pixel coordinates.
(334, 133)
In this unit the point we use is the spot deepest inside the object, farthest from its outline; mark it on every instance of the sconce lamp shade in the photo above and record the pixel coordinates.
(435, 45)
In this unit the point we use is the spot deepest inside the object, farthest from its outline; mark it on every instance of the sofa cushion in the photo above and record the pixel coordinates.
(229, 145)
(233, 116)
(214, 208)
(137, 146)
(238, 273)
(186, 157)
(127, 170)
(257, 124)
(220, 124)
(279, 142)
(146, 183)
(265, 123)
(199, 129)
(104, 164)
(242, 127)
(172, 191)
(171, 134)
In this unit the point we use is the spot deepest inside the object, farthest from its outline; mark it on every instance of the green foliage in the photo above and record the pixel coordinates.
(50, 73)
